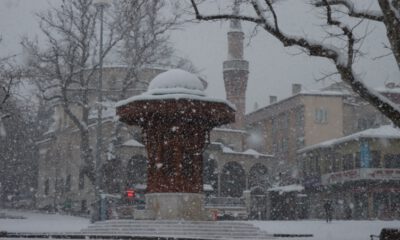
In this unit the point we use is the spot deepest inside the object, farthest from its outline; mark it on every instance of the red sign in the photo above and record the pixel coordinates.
(130, 193)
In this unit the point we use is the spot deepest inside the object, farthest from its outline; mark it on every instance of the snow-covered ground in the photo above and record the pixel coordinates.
(40, 222)
(336, 230)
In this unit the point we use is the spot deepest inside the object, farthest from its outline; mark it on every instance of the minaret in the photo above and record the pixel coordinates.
(236, 70)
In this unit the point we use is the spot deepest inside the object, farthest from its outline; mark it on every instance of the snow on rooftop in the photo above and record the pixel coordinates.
(388, 90)
(323, 93)
(303, 92)
(132, 143)
(287, 188)
(250, 152)
(231, 130)
(387, 131)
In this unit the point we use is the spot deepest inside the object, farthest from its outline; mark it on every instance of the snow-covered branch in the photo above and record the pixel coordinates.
(343, 60)
(353, 11)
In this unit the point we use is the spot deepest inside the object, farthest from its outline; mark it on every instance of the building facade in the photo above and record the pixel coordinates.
(358, 173)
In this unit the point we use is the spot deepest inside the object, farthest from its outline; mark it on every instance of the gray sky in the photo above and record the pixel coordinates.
(272, 68)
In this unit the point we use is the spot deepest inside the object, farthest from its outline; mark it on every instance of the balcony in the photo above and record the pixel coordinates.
(361, 174)
(236, 64)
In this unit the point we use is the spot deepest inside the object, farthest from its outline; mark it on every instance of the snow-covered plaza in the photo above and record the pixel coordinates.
(336, 230)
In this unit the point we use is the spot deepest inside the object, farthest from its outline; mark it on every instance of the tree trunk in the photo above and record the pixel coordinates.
(373, 98)
(392, 24)
(87, 156)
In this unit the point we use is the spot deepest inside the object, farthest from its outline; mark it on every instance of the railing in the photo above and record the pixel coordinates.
(224, 202)
(361, 174)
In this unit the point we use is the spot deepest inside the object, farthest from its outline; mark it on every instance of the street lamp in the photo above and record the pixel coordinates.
(100, 5)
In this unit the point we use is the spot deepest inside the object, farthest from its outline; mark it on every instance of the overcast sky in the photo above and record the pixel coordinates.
(272, 68)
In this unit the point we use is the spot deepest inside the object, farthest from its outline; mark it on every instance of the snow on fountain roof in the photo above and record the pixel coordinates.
(176, 78)
(175, 84)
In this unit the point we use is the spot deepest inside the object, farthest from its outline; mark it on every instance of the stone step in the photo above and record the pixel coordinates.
(201, 235)
(230, 223)
(168, 229)
(249, 233)
(184, 229)
(174, 226)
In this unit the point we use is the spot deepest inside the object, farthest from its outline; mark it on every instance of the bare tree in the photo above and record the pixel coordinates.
(66, 69)
(18, 153)
(10, 75)
(342, 57)
(145, 43)
(389, 15)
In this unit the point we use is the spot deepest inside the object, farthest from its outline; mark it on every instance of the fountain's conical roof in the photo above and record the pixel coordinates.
(175, 84)
(176, 81)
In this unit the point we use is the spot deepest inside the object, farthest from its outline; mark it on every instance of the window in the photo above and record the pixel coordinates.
(336, 164)
(357, 160)
(348, 162)
(285, 121)
(300, 143)
(68, 183)
(375, 159)
(46, 186)
(285, 145)
(315, 165)
(274, 147)
(59, 185)
(327, 165)
(392, 161)
(299, 116)
(81, 180)
(274, 126)
(83, 206)
(321, 115)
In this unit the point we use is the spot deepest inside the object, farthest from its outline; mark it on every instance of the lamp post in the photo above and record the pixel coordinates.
(100, 5)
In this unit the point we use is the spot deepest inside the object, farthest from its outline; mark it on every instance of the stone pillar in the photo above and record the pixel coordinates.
(247, 181)
(219, 184)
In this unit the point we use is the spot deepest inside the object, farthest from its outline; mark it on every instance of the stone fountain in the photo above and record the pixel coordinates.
(176, 118)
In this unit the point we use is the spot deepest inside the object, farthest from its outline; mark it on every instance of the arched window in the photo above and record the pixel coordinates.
(136, 171)
(233, 180)
(258, 176)
(210, 174)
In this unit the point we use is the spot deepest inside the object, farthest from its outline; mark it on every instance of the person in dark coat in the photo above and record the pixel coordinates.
(328, 210)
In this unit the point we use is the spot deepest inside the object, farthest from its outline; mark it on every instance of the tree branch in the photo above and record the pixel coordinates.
(343, 62)
(353, 12)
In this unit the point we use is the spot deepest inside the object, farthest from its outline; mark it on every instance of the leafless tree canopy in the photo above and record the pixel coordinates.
(267, 18)
(10, 75)
(66, 68)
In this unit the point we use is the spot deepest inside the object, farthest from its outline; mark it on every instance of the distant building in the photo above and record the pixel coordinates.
(359, 173)
(307, 118)
(304, 119)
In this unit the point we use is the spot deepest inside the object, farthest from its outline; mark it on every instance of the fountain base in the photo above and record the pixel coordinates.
(176, 206)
